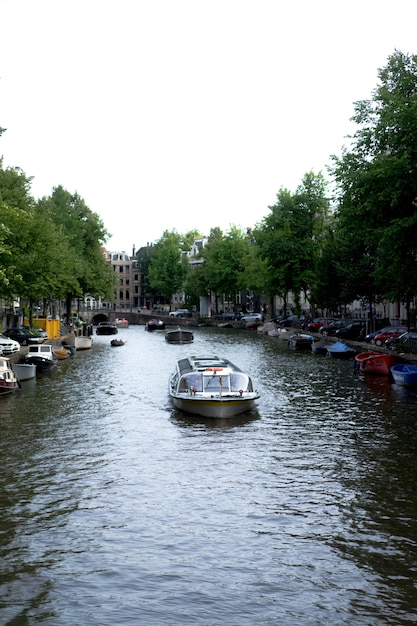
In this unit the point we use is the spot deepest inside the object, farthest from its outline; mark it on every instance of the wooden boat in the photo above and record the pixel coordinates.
(404, 374)
(42, 356)
(8, 379)
(61, 353)
(24, 371)
(211, 387)
(117, 342)
(300, 341)
(179, 335)
(155, 324)
(340, 350)
(106, 328)
(72, 349)
(376, 363)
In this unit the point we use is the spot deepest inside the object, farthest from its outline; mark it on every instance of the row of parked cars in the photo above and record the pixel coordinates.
(12, 338)
(393, 337)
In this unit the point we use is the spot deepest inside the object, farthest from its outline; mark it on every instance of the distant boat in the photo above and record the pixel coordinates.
(405, 374)
(154, 324)
(117, 342)
(123, 323)
(376, 363)
(179, 335)
(106, 328)
(211, 387)
(341, 350)
(8, 379)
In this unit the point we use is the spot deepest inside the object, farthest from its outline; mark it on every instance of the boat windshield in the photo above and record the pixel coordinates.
(191, 381)
(239, 381)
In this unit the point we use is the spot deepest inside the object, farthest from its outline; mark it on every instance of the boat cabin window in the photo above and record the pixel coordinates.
(216, 383)
(239, 381)
(191, 381)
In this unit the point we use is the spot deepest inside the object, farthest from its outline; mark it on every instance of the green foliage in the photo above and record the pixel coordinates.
(167, 268)
(377, 184)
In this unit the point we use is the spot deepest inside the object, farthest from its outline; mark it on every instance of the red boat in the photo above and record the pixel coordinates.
(376, 363)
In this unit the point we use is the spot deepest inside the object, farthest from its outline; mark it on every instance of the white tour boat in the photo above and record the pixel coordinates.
(211, 387)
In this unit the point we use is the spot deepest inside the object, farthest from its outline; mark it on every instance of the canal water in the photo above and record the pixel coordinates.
(117, 510)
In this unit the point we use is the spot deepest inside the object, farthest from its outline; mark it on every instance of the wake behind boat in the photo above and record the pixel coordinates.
(211, 387)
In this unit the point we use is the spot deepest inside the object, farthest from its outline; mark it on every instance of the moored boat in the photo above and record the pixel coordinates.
(300, 341)
(404, 374)
(376, 363)
(106, 328)
(8, 379)
(24, 371)
(83, 342)
(320, 347)
(211, 387)
(61, 353)
(42, 356)
(340, 350)
(179, 335)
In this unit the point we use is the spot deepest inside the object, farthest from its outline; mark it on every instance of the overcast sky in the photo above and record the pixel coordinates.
(186, 114)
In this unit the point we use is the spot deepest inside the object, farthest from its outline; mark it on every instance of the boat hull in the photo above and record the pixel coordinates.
(214, 407)
(376, 364)
(41, 364)
(24, 371)
(404, 374)
(179, 336)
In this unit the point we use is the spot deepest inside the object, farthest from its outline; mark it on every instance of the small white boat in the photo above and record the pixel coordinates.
(24, 371)
(83, 342)
(42, 356)
(80, 342)
(8, 380)
(211, 387)
(405, 374)
(179, 335)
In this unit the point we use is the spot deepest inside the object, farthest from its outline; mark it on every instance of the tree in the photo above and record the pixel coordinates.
(377, 186)
(167, 267)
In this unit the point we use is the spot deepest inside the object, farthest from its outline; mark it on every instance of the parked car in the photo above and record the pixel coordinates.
(227, 316)
(370, 336)
(318, 322)
(181, 313)
(252, 317)
(355, 331)
(330, 329)
(407, 342)
(291, 320)
(383, 336)
(23, 336)
(39, 332)
(8, 346)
